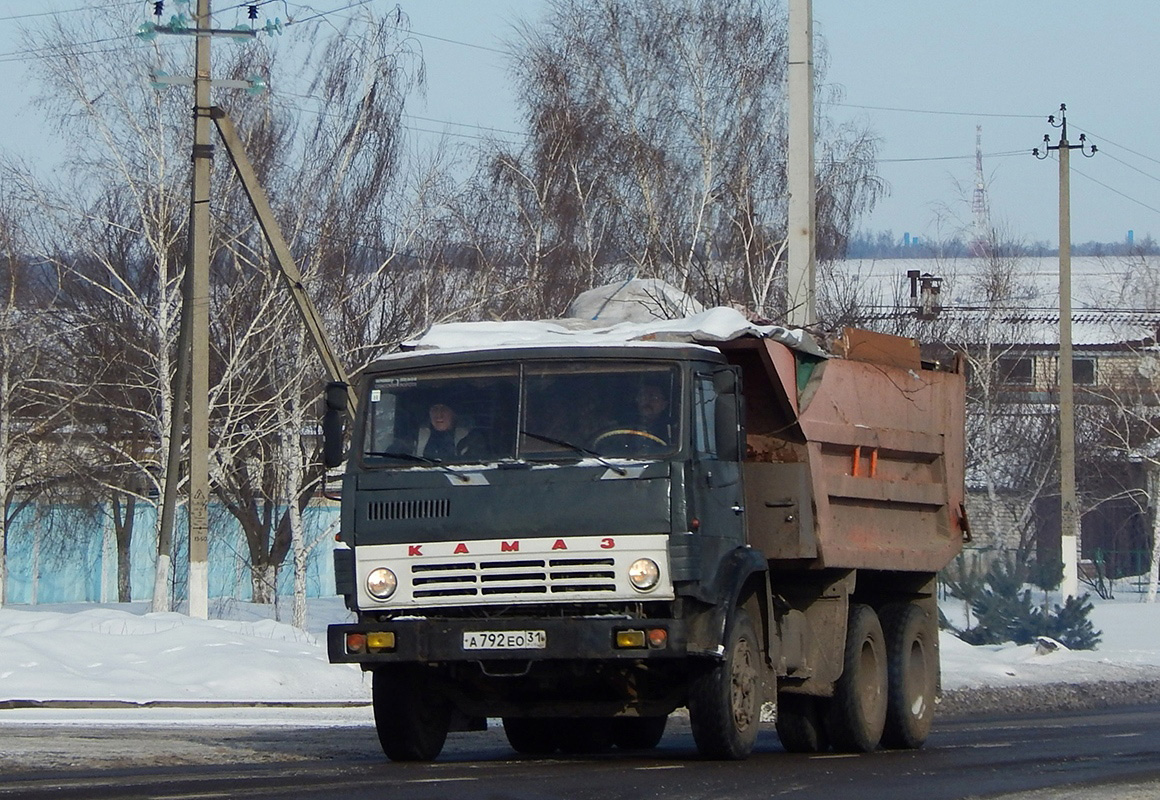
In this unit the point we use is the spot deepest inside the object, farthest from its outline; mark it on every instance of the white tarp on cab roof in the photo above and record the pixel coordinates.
(712, 325)
(634, 300)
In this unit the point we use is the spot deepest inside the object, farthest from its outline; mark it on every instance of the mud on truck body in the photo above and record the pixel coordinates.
(771, 552)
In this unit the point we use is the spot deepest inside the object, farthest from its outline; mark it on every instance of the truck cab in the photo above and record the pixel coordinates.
(554, 563)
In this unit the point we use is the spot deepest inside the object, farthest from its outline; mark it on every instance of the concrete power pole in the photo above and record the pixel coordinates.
(198, 307)
(191, 382)
(1069, 518)
(801, 230)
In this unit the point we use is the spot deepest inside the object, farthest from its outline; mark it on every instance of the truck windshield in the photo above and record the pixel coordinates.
(533, 411)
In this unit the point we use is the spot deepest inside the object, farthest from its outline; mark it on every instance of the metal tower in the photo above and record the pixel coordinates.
(982, 235)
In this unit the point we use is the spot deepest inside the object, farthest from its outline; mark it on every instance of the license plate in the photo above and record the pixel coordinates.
(505, 640)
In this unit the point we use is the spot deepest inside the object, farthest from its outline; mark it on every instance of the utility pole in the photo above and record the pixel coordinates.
(1069, 518)
(191, 381)
(198, 307)
(801, 230)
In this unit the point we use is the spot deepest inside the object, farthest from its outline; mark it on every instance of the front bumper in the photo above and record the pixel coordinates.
(427, 640)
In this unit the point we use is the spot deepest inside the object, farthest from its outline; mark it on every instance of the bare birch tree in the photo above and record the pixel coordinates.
(657, 144)
(34, 431)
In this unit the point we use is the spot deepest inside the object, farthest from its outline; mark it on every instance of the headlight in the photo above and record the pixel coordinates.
(381, 583)
(644, 574)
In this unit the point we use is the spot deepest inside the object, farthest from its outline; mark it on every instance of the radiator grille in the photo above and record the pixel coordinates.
(544, 577)
(408, 509)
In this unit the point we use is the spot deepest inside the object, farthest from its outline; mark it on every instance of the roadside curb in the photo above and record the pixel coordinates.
(976, 701)
(109, 704)
(1047, 697)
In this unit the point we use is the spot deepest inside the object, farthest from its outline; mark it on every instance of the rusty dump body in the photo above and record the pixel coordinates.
(856, 461)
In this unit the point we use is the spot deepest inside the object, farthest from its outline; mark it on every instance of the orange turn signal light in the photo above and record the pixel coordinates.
(630, 639)
(381, 640)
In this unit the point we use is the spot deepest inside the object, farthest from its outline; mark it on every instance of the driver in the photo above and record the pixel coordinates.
(652, 407)
(650, 430)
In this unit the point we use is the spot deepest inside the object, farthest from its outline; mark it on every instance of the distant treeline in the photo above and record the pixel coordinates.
(885, 244)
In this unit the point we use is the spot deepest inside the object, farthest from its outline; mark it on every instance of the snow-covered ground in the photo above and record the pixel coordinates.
(122, 653)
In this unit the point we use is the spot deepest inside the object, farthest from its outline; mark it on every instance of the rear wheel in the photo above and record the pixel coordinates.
(584, 735)
(411, 720)
(857, 712)
(531, 736)
(912, 669)
(724, 700)
(638, 733)
(801, 723)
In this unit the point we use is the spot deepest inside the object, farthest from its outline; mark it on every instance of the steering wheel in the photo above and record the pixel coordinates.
(630, 432)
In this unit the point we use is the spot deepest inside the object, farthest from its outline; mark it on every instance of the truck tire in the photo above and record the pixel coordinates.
(801, 722)
(638, 733)
(912, 665)
(411, 720)
(724, 700)
(531, 736)
(857, 711)
(584, 735)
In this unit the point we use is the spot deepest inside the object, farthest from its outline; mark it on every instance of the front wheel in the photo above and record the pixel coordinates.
(724, 700)
(411, 720)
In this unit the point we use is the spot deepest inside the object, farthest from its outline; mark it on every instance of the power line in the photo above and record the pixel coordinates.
(456, 41)
(1104, 139)
(485, 128)
(1116, 191)
(284, 104)
(1129, 166)
(939, 113)
(35, 52)
(322, 14)
(67, 11)
(954, 158)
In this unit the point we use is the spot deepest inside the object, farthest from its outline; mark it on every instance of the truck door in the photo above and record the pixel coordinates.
(716, 492)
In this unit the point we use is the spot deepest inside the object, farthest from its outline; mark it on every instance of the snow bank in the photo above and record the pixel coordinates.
(102, 653)
(113, 654)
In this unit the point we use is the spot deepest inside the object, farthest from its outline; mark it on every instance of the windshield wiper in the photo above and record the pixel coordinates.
(432, 462)
(577, 449)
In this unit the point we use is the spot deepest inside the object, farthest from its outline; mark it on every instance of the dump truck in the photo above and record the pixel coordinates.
(622, 521)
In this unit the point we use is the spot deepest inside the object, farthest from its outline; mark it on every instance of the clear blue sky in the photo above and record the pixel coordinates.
(946, 67)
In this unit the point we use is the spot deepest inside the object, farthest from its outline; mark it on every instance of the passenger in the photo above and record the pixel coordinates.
(447, 438)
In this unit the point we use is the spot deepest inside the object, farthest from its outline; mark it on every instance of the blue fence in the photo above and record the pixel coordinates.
(66, 554)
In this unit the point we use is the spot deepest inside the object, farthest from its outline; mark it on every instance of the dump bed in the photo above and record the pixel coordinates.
(855, 461)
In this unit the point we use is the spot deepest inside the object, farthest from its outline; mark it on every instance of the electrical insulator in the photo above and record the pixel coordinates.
(252, 11)
(159, 8)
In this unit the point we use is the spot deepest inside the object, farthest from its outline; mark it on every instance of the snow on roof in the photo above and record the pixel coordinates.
(1113, 298)
(712, 325)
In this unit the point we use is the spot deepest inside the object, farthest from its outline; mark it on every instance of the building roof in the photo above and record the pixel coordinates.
(1114, 299)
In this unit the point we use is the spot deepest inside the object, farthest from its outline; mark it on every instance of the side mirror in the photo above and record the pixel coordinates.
(727, 384)
(334, 425)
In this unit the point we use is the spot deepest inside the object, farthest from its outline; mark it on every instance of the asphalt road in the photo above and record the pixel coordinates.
(1100, 755)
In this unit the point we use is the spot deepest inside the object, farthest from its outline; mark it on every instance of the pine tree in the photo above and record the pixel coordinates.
(1004, 611)
(1070, 624)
